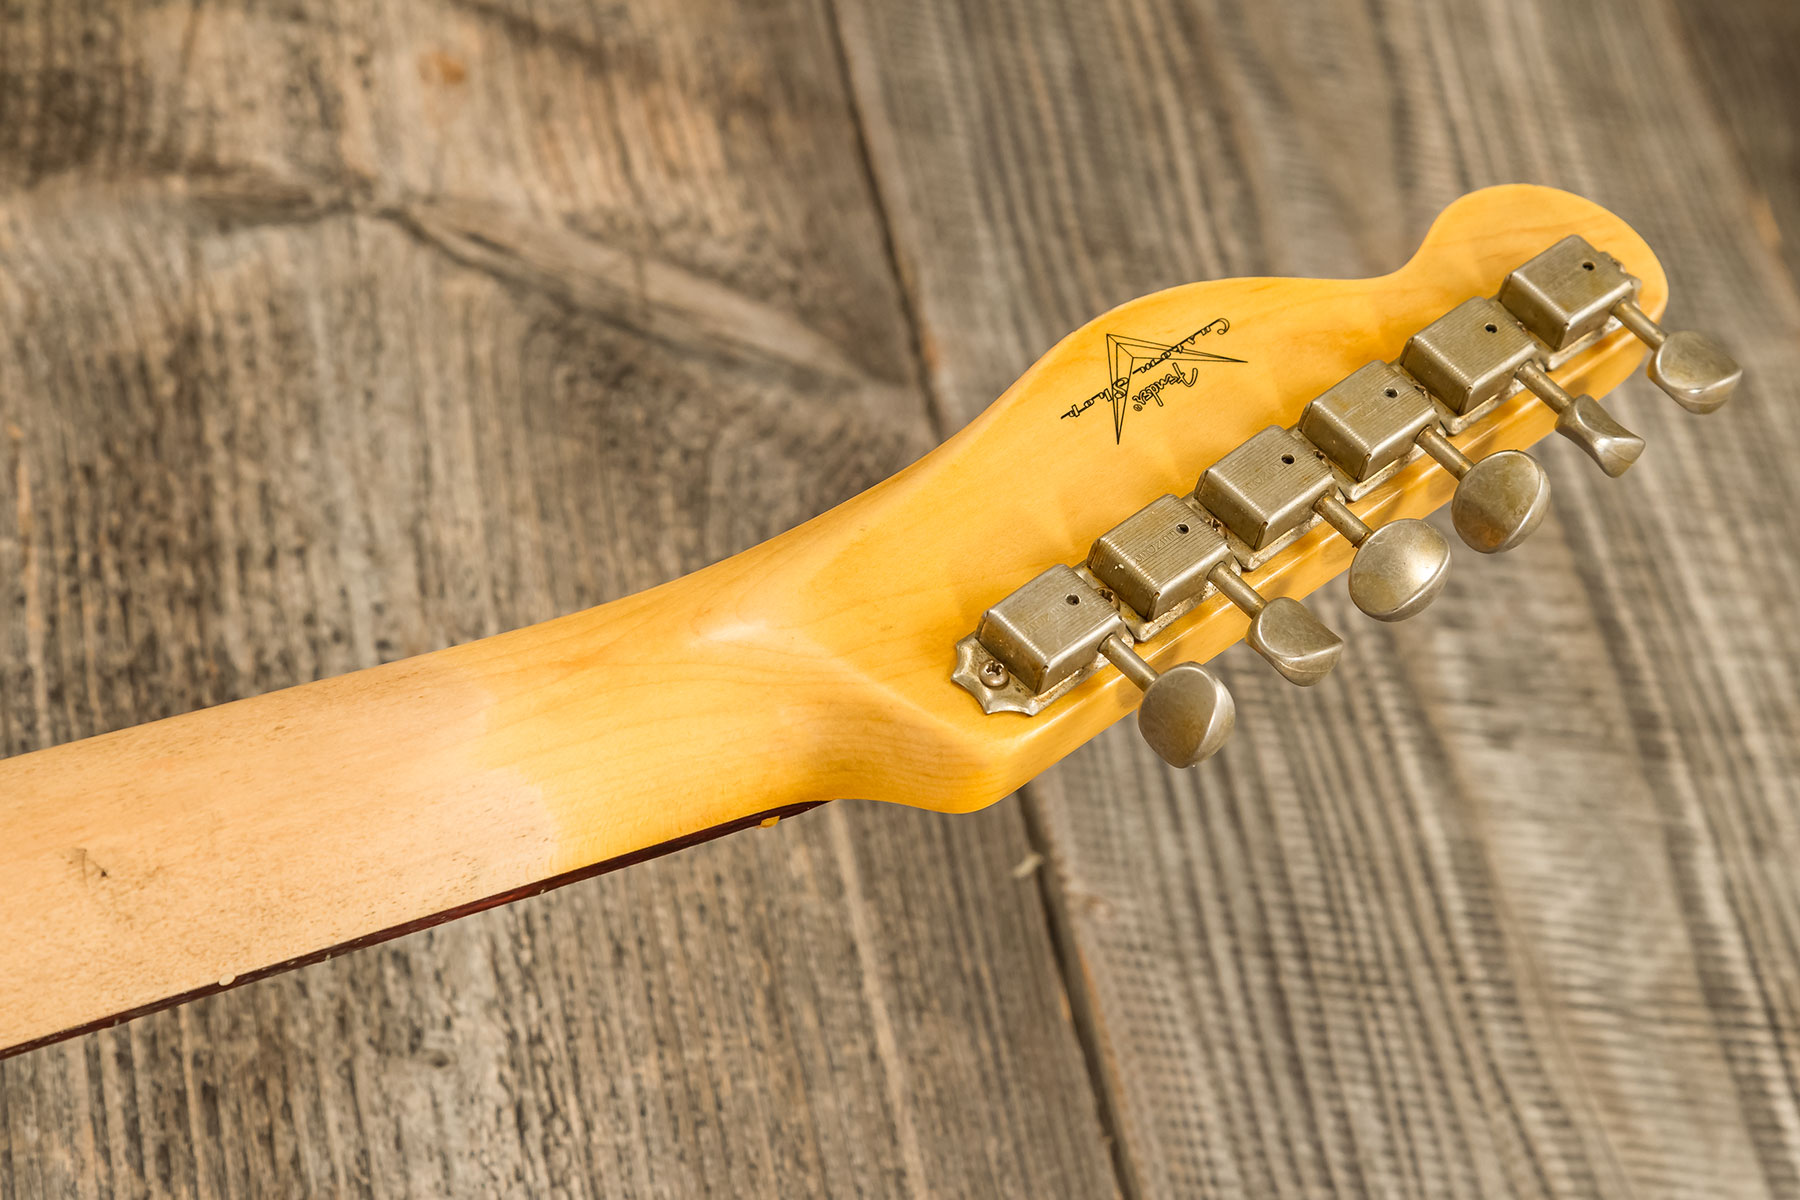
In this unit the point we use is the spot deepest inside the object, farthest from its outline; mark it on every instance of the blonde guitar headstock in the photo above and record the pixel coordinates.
(1179, 472)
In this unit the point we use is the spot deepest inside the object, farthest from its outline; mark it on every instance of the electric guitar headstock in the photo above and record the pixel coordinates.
(1180, 472)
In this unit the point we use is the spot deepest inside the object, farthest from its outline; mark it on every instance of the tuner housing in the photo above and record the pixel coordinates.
(1263, 493)
(1567, 293)
(1468, 359)
(1049, 631)
(1368, 425)
(1156, 561)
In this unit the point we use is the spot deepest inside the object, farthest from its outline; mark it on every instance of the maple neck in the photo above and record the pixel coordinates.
(185, 854)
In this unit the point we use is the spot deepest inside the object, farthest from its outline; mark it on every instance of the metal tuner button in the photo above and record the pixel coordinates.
(1186, 714)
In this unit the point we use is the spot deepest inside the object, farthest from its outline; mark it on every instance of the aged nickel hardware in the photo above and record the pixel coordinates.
(1369, 425)
(1476, 355)
(1283, 631)
(1263, 493)
(1398, 569)
(1157, 561)
(1186, 715)
(1049, 630)
(1057, 627)
(1499, 501)
(1168, 557)
(1567, 293)
(1158, 564)
(1270, 490)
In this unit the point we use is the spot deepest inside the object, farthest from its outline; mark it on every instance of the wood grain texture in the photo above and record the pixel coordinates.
(1505, 907)
(337, 333)
(1746, 56)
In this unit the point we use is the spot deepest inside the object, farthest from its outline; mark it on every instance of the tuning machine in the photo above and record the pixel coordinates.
(1473, 356)
(1369, 424)
(1055, 629)
(1176, 552)
(1567, 293)
(1186, 715)
(1168, 556)
(1151, 568)
(1269, 490)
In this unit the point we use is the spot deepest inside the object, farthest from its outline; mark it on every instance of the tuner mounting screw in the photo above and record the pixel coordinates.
(993, 674)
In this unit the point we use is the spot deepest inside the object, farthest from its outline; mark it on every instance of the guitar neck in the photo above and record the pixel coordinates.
(190, 854)
(181, 856)
(176, 857)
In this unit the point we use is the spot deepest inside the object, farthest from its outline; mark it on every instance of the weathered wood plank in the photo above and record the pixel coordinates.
(336, 333)
(1748, 59)
(1503, 908)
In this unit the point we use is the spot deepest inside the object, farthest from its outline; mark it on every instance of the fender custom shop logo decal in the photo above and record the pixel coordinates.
(1143, 371)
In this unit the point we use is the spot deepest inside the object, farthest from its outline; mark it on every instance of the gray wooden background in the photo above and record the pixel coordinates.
(337, 332)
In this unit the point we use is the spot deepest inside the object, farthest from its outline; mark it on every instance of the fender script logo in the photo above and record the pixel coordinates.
(1142, 370)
